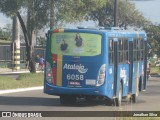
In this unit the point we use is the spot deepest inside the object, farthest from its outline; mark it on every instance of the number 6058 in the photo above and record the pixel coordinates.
(74, 77)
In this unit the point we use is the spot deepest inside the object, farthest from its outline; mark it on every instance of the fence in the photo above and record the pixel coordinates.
(6, 53)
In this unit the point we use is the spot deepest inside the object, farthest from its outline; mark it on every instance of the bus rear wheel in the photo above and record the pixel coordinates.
(67, 99)
(118, 100)
(135, 96)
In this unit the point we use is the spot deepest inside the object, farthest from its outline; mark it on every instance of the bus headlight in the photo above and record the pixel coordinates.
(101, 75)
(49, 75)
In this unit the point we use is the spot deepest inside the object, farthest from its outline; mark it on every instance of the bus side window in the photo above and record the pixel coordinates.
(123, 50)
(126, 49)
(142, 48)
(139, 49)
(120, 52)
(135, 49)
(111, 51)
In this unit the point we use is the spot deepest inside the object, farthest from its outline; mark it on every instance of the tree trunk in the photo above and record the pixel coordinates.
(32, 56)
(29, 48)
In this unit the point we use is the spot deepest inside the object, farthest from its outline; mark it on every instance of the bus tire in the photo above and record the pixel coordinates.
(108, 102)
(67, 99)
(140, 84)
(118, 100)
(89, 98)
(134, 98)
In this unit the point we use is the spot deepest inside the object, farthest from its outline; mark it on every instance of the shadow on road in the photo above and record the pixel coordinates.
(29, 101)
(37, 101)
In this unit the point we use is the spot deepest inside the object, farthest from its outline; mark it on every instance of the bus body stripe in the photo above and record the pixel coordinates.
(59, 69)
(54, 70)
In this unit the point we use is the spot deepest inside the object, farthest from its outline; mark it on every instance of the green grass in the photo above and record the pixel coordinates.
(155, 70)
(23, 81)
(5, 41)
(3, 64)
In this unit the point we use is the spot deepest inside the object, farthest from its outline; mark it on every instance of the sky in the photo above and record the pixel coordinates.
(149, 8)
(4, 20)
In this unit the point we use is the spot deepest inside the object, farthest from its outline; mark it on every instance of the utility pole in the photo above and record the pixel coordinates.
(115, 13)
(51, 13)
(16, 44)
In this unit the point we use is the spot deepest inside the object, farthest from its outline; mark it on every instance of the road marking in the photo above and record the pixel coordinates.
(20, 90)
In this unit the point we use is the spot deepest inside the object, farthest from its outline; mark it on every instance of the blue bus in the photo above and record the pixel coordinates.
(91, 63)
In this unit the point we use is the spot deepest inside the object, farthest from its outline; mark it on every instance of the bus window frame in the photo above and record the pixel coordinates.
(123, 50)
(138, 49)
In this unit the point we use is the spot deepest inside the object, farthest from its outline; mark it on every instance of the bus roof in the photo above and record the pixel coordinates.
(111, 32)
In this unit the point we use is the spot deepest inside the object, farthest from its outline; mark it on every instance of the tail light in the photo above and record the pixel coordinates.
(49, 74)
(101, 75)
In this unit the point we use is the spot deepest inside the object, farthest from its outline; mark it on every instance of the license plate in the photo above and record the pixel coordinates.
(74, 83)
(90, 82)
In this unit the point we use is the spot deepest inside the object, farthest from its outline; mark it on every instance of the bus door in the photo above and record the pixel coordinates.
(145, 65)
(115, 65)
(130, 66)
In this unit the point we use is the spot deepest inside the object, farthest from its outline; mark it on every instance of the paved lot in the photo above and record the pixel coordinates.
(38, 101)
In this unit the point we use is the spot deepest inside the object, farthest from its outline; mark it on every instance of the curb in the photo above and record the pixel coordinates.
(12, 73)
(18, 72)
(20, 90)
(157, 75)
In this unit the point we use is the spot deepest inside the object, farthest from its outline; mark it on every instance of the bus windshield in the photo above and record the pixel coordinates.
(76, 44)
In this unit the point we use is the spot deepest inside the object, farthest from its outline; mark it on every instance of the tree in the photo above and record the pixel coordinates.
(127, 15)
(153, 34)
(39, 11)
(37, 17)
(5, 33)
(70, 11)
(41, 41)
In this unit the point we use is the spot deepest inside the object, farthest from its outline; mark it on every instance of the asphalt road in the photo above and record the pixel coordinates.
(36, 100)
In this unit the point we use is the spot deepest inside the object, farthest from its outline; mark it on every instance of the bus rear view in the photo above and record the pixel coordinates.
(95, 63)
(74, 64)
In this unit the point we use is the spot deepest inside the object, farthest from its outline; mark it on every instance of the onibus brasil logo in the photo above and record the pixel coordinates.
(79, 67)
